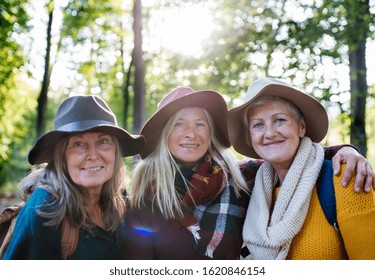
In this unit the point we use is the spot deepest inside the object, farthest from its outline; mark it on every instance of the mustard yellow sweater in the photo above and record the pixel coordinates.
(318, 240)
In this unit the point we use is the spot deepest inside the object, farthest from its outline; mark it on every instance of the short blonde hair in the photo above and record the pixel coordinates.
(263, 100)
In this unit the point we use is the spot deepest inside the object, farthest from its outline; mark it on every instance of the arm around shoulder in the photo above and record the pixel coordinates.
(356, 219)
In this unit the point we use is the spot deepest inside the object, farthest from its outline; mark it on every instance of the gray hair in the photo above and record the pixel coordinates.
(69, 199)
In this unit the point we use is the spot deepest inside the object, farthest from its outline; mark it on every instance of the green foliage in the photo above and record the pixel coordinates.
(101, 28)
(251, 39)
(13, 95)
(16, 132)
(13, 18)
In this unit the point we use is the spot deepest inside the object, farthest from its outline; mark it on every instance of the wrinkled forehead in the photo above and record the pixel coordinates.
(276, 100)
(192, 112)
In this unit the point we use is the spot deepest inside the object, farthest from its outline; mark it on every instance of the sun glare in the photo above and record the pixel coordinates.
(182, 30)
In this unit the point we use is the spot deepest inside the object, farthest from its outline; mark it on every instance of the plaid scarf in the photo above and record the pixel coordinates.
(212, 211)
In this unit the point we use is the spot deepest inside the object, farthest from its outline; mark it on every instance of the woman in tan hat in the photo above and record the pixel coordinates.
(81, 185)
(285, 219)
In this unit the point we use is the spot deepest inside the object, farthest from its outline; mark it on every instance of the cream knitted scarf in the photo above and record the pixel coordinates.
(269, 235)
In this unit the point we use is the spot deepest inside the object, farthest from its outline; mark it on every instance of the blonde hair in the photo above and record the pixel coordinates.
(154, 176)
(69, 199)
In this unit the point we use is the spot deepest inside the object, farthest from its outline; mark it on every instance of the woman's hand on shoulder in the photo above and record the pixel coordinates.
(355, 164)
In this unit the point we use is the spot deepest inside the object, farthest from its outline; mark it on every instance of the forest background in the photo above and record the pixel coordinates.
(132, 53)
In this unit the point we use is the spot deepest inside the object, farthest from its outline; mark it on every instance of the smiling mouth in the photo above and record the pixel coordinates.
(189, 146)
(97, 168)
(272, 143)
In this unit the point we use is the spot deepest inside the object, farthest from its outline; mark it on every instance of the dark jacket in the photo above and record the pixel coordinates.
(33, 240)
(151, 236)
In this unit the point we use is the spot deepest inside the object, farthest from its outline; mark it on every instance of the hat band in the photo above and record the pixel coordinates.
(83, 125)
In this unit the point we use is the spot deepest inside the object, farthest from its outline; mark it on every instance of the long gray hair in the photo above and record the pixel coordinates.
(69, 199)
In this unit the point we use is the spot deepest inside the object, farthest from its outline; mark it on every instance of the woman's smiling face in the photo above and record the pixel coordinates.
(90, 159)
(189, 139)
(275, 133)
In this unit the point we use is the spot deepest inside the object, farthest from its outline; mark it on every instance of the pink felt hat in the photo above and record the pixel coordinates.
(183, 97)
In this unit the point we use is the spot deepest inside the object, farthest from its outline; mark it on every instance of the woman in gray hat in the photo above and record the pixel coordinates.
(82, 184)
(286, 214)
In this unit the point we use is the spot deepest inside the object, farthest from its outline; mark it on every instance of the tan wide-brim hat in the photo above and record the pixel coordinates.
(79, 114)
(183, 97)
(315, 115)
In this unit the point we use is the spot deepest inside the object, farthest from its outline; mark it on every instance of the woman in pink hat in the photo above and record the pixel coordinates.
(81, 186)
(286, 216)
(188, 197)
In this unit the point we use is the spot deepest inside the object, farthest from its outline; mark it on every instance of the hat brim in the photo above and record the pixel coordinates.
(42, 151)
(315, 116)
(209, 100)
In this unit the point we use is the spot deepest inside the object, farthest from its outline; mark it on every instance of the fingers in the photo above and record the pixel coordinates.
(365, 177)
(370, 179)
(336, 163)
(360, 179)
(356, 165)
(349, 171)
(368, 183)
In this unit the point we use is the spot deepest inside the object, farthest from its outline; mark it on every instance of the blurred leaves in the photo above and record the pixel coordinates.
(305, 42)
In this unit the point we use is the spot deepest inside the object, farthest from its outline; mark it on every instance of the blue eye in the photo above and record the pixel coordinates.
(257, 125)
(280, 121)
(201, 124)
(79, 144)
(104, 142)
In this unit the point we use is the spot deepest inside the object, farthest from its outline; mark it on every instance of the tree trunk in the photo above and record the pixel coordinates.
(43, 96)
(139, 84)
(358, 87)
(358, 73)
(126, 84)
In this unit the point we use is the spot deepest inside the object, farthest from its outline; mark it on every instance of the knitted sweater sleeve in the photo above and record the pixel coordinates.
(356, 219)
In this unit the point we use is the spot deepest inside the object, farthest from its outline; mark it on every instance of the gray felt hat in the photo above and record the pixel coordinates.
(83, 114)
